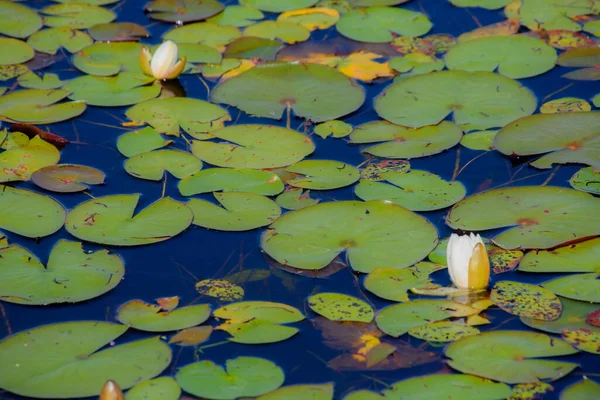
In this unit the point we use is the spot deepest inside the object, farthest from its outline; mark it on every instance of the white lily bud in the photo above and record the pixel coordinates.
(468, 262)
(111, 391)
(163, 64)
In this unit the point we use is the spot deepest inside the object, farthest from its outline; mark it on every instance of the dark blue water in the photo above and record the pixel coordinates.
(171, 268)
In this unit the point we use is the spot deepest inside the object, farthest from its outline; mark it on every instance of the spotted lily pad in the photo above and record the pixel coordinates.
(511, 356)
(110, 220)
(477, 100)
(232, 180)
(583, 287)
(573, 316)
(583, 339)
(106, 59)
(312, 91)
(402, 142)
(16, 214)
(526, 300)
(153, 164)
(15, 51)
(67, 178)
(414, 189)
(18, 163)
(539, 217)
(37, 362)
(585, 389)
(254, 146)
(152, 318)
(125, 89)
(183, 11)
(141, 141)
(567, 137)
(373, 234)
(322, 174)
(578, 257)
(341, 307)
(301, 392)
(276, 6)
(37, 106)
(76, 15)
(565, 104)
(442, 331)
(394, 284)
(220, 289)
(206, 33)
(295, 199)
(18, 20)
(163, 388)
(240, 211)
(196, 117)
(51, 40)
(241, 377)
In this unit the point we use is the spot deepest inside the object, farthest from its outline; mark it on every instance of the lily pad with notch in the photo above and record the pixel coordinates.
(106, 59)
(140, 141)
(162, 388)
(559, 15)
(249, 47)
(295, 199)
(578, 257)
(30, 80)
(50, 40)
(153, 318)
(286, 31)
(276, 6)
(18, 20)
(322, 174)
(586, 180)
(238, 16)
(152, 165)
(37, 106)
(76, 15)
(20, 162)
(232, 180)
(118, 32)
(67, 178)
(207, 33)
(180, 12)
(582, 287)
(393, 284)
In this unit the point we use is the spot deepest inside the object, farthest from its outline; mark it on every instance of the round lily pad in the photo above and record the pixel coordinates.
(117, 32)
(301, 392)
(336, 129)
(30, 80)
(76, 15)
(240, 211)
(182, 12)
(20, 162)
(578, 257)
(107, 59)
(15, 51)
(37, 106)
(277, 6)
(16, 214)
(537, 217)
(38, 362)
(402, 142)
(51, 40)
(152, 318)
(479, 140)
(514, 56)
(241, 377)
(206, 33)
(72, 275)
(125, 89)
(67, 178)
(511, 356)
(196, 117)
(111, 220)
(394, 284)
(374, 234)
(286, 31)
(526, 300)
(295, 199)
(442, 331)
(163, 388)
(236, 15)
(573, 316)
(231, 180)
(312, 91)
(341, 307)
(567, 137)
(565, 104)
(452, 386)
(153, 164)
(250, 47)
(322, 174)
(141, 141)
(585, 389)
(586, 180)
(254, 146)
(382, 24)
(18, 20)
(477, 100)
(583, 287)
(413, 189)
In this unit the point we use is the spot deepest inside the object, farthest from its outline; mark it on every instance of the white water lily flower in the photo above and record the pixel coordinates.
(163, 64)
(468, 262)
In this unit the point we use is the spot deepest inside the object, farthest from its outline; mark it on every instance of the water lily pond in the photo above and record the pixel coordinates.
(300, 199)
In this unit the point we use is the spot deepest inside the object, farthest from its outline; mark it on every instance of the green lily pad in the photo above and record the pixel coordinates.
(334, 128)
(382, 24)
(207, 33)
(37, 106)
(152, 318)
(30, 80)
(106, 59)
(373, 234)
(18, 163)
(301, 392)
(72, 274)
(117, 32)
(16, 214)
(477, 100)
(479, 140)
(231, 180)
(141, 141)
(124, 89)
(567, 137)
(586, 180)
(163, 388)
(514, 56)
(578, 257)
(585, 389)
(249, 47)
(312, 91)
(241, 377)
(322, 174)
(276, 6)
(526, 300)
(67, 178)
(583, 339)
(402, 142)
(240, 211)
(254, 146)
(415, 64)
(18, 20)
(286, 31)
(341, 307)
(442, 331)
(196, 117)
(398, 319)
(573, 316)
(487, 4)
(182, 12)
(38, 362)
(537, 217)
(13, 140)
(413, 189)
(295, 199)
(15, 51)
(511, 356)
(76, 15)
(583, 287)
(153, 164)
(110, 220)
(394, 284)
(539, 14)
(238, 16)
(50, 40)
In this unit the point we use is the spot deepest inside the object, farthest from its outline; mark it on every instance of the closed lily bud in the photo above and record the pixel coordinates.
(468, 262)
(111, 391)
(163, 64)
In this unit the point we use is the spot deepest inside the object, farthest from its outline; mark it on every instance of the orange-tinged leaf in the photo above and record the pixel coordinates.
(168, 303)
(379, 353)
(245, 65)
(564, 40)
(329, 60)
(362, 66)
(311, 18)
(192, 336)
(504, 28)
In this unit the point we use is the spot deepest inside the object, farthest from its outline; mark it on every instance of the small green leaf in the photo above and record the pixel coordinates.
(153, 164)
(151, 318)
